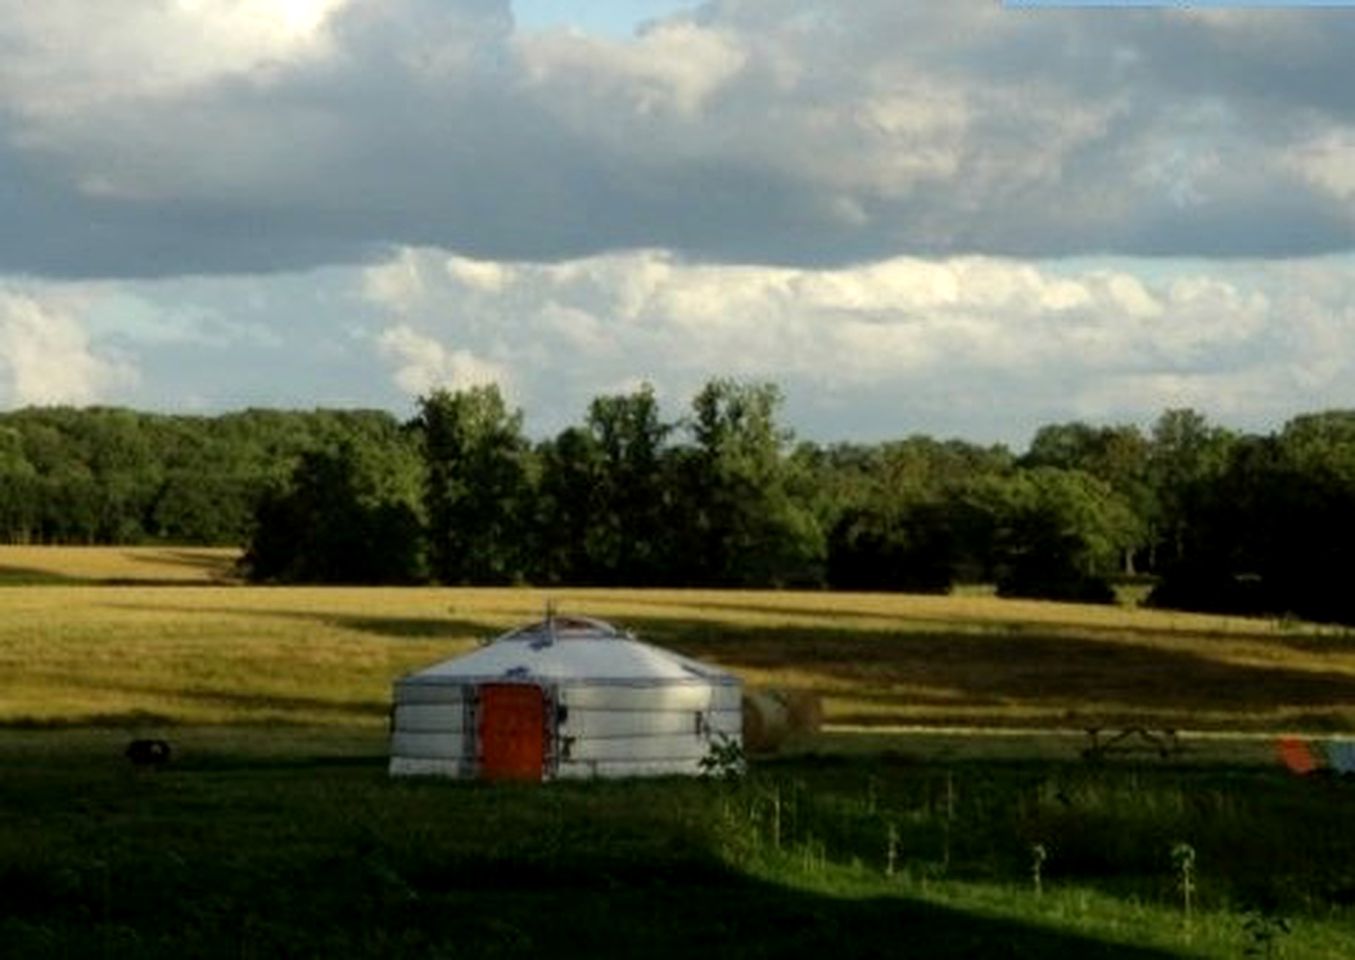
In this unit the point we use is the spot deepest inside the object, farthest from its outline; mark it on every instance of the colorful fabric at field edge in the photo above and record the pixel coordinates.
(1341, 755)
(1296, 755)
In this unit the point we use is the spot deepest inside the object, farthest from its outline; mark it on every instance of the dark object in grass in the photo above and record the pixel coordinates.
(148, 753)
(1054, 580)
(1101, 742)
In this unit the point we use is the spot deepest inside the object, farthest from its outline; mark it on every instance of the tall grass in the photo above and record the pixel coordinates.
(294, 843)
(1271, 859)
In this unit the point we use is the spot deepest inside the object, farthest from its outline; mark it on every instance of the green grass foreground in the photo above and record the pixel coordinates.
(294, 843)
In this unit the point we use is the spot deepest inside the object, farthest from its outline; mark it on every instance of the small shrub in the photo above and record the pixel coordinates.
(724, 760)
(1263, 929)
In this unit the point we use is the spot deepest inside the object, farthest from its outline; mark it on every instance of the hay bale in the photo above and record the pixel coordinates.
(806, 712)
(771, 717)
(766, 722)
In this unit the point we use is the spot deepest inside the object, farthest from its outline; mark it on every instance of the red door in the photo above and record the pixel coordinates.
(512, 731)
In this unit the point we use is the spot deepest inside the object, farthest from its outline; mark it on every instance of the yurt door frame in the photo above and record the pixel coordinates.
(514, 731)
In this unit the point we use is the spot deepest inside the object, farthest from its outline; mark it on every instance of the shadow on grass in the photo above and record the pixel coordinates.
(257, 702)
(28, 576)
(221, 564)
(346, 901)
(267, 702)
(398, 628)
(114, 720)
(1259, 628)
(1086, 674)
(216, 570)
(638, 914)
(1343, 642)
(409, 628)
(220, 571)
(1027, 667)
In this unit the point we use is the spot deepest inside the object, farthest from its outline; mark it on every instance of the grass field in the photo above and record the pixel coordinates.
(29, 565)
(75, 652)
(276, 833)
(292, 842)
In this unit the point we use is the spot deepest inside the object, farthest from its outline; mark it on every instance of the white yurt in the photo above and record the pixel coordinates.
(565, 697)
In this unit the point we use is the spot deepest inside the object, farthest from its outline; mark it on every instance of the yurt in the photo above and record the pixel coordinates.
(565, 697)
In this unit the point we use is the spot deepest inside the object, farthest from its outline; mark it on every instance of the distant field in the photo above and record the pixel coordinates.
(74, 653)
(27, 565)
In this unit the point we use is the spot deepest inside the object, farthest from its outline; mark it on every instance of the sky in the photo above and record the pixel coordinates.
(960, 219)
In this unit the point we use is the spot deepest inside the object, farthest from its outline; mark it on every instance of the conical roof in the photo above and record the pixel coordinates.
(569, 648)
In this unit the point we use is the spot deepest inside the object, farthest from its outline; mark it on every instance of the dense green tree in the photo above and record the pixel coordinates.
(1299, 534)
(737, 522)
(570, 509)
(1047, 532)
(1187, 461)
(477, 496)
(1260, 524)
(104, 475)
(1232, 533)
(604, 495)
(911, 549)
(204, 506)
(899, 530)
(630, 540)
(1118, 455)
(337, 521)
(19, 488)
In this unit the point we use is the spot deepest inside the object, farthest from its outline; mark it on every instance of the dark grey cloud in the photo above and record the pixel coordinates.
(841, 132)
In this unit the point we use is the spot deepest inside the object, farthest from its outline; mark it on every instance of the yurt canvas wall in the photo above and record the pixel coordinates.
(567, 697)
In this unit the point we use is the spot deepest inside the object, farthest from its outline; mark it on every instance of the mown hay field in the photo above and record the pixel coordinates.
(74, 652)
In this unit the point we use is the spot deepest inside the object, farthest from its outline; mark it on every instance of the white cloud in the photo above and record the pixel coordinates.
(672, 67)
(580, 329)
(1130, 295)
(479, 274)
(1328, 162)
(1106, 340)
(395, 284)
(46, 356)
(984, 347)
(424, 364)
(67, 56)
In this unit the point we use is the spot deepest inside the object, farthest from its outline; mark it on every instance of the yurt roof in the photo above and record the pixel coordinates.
(571, 648)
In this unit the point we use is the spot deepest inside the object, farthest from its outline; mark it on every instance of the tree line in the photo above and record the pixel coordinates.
(722, 496)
